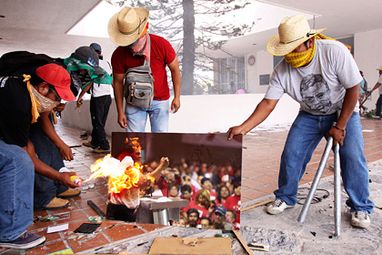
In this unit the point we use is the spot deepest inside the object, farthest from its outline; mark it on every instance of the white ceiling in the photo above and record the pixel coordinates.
(41, 25)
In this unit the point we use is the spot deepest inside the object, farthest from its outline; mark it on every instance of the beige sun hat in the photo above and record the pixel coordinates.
(293, 31)
(126, 26)
(379, 68)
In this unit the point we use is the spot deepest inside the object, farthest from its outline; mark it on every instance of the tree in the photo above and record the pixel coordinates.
(175, 20)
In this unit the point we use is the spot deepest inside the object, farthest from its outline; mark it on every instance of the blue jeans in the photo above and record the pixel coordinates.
(158, 114)
(45, 188)
(304, 136)
(16, 191)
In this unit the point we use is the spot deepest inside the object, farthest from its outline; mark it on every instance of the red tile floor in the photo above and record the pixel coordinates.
(261, 157)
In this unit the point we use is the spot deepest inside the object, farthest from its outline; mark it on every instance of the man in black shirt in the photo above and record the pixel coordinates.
(83, 68)
(22, 98)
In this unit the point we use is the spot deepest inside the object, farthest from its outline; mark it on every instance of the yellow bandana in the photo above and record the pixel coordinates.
(298, 59)
(34, 101)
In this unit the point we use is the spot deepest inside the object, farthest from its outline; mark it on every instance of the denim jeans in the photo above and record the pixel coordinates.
(158, 114)
(45, 188)
(16, 191)
(304, 136)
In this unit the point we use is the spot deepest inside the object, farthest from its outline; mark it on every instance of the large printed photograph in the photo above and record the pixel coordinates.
(188, 180)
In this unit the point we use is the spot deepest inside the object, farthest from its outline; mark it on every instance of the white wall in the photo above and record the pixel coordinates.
(368, 54)
(263, 65)
(198, 114)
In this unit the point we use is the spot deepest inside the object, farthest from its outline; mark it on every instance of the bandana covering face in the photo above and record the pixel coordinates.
(141, 47)
(44, 104)
(100, 76)
(298, 59)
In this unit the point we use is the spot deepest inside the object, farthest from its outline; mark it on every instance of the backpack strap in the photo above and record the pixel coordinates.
(147, 58)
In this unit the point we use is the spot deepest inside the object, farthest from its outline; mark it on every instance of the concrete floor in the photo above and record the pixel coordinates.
(285, 235)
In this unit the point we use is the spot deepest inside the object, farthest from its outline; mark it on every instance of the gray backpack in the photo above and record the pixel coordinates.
(139, 86)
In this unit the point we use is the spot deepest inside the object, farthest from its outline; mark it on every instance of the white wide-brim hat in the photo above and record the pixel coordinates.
(126, 26)
(292, 31)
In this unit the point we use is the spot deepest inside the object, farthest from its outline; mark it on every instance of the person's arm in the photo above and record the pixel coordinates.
(163, 164)
(376, 86)
(50, 132)
(176, 81)
(338, 131)
(262, 111)
(118, 95)
(44, 169)
(83, 91)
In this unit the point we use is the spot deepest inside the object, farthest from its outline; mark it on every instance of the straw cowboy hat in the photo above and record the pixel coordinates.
(126, 26)
(292, 32)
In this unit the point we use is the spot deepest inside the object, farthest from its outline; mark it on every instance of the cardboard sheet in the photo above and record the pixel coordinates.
(178, 245)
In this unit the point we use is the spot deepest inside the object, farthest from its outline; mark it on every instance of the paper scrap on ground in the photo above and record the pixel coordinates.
(66, 251)
(58, 228)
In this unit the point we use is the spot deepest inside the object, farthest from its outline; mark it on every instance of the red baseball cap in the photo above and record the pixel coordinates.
(57, 76)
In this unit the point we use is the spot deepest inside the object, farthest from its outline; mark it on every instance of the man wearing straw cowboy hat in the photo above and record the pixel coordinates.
(129, 29)
(322, 76)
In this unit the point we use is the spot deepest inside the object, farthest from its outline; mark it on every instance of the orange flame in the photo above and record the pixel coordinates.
(128, 180)
(122, 175)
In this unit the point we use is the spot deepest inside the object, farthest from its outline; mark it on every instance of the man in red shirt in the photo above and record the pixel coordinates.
(128, 29)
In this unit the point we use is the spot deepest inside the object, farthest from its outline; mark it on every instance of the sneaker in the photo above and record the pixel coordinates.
(278, 206)
(25, 241)
(100, 150)
(88, 144)
(69, 193)
(57, 203)
(377, 117)
(360, 219)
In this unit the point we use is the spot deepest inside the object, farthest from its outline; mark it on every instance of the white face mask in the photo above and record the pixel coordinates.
(44, 104)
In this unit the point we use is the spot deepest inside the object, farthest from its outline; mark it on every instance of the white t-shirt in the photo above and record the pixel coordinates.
(102, 89)
(380, 82)
(320, 86)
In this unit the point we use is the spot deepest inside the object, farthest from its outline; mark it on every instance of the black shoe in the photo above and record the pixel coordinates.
(25, 241)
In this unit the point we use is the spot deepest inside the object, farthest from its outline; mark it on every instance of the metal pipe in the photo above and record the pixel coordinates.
(316, 180)
(337, 191)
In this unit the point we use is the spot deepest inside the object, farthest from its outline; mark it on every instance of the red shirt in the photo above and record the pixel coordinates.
(161, 54)
(163, 185)
(233, 203)
(203, 212)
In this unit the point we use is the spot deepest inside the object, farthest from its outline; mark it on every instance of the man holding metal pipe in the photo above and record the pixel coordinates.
(322, 76)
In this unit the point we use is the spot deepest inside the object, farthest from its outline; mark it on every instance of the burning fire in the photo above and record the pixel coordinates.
(123, 175)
